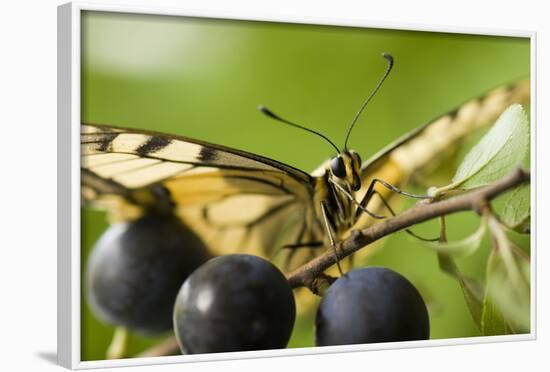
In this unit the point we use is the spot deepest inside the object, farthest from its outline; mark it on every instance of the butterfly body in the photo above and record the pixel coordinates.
(335, 185)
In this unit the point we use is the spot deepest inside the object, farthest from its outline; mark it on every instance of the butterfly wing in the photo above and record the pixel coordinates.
(236, 201)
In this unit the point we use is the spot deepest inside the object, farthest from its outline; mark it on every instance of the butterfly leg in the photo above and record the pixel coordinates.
(371, 191)
(293, 249)
(303, 245)
(390, 209)
(395, 189)
(330, 234)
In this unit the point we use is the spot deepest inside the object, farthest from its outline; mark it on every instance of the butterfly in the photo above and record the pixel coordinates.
(237, 201)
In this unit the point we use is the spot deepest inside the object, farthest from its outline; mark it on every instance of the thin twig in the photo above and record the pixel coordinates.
(166, 347)
(119, 344)
(422, 211)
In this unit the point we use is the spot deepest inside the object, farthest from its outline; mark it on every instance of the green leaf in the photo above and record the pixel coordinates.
(492, 321)
(508, 280)
(471, 288)
(501, 150)
(517, 209)
(462, 247)
(520, 240)
(512, 298)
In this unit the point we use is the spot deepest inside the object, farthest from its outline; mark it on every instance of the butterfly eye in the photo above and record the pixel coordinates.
(338, 167)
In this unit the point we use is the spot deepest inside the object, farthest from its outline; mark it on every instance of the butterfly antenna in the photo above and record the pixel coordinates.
(264, 110)
(388, 58)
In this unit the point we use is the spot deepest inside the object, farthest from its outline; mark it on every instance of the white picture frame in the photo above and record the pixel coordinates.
(69, 264)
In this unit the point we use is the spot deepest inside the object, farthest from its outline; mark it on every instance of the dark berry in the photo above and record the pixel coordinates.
(136, 269)
(372, 304)
(234, 303)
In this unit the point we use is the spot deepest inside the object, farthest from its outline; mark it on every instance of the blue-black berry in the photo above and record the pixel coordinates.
(136, 269)
(368, 305)
(234, 303)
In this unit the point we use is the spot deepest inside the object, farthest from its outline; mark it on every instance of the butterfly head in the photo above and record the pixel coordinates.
(346, 169)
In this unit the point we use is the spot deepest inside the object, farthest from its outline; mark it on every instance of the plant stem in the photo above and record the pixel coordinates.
(167, 347)
(118, 347)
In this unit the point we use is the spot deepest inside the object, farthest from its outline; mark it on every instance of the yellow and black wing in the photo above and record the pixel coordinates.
(236, 201)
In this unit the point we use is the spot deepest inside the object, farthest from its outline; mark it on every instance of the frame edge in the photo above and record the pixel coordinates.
(64, 256)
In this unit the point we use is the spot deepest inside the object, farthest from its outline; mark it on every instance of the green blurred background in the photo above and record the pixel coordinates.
(203, 78)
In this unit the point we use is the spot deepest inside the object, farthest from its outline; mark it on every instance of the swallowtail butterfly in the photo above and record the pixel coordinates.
(242, 202)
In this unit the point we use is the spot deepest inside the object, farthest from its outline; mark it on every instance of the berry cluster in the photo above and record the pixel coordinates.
(154, 274)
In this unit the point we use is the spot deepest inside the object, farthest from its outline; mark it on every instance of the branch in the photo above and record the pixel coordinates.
(423, 211)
